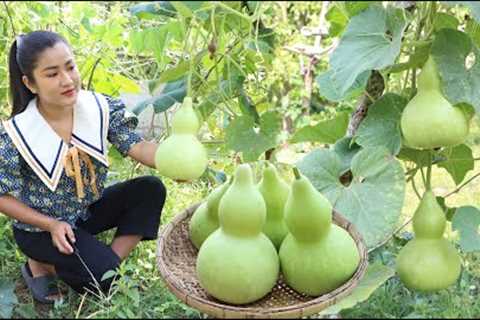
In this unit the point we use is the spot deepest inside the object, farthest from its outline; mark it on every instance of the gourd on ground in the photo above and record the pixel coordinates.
(237, 263)
(205, 218)
(316, 256)
(275, 193)
(429, 262)
(429, 120)
(182, 156)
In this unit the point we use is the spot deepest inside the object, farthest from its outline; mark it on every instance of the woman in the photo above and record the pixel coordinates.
(53, 165)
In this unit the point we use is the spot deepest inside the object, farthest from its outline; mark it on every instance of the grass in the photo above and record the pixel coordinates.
(141, 293)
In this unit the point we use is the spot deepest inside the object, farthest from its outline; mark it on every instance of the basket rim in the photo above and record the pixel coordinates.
(327, 298)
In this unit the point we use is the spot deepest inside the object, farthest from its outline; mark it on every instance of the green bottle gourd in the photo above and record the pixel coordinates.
(181, 156)
(316, 256)
(429, 120)
(428, 262)
(204, 220)
(237, 263)
(275, 193)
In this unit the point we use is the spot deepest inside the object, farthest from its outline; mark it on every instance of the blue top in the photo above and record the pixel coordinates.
(19, 180)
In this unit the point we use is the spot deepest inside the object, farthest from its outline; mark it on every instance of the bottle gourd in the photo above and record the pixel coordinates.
(181, 156)
(237, 263)
(317, 256)
(429, 120)
(275, 193)
(204, 220)
(428, 262)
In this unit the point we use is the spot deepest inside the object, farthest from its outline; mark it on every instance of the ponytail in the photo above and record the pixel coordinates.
(20, 95)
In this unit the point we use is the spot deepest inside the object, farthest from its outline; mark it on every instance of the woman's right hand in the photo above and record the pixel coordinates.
(60, 230)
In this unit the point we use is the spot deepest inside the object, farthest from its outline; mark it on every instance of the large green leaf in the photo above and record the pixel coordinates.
(330, 92)
(375, 276)
(444, 20)
(152, 9)
(459, 162)
(171, 93)
(372, 41)
(381, 127)
(467, 221)
(8, 299)
(373, 200)
(327, 131)
(243, 136)
(450, 49)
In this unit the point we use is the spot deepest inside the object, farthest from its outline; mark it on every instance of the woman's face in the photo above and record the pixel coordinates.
(56, 77)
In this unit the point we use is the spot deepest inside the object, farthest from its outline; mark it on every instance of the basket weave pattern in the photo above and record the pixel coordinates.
(176, 261)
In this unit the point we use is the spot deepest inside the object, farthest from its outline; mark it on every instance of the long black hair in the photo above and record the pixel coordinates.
(23, 58)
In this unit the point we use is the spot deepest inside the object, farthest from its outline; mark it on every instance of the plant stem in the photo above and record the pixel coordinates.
(296, 173)
(415, 189)
(463, 185)
(423, 177)
(429, 172)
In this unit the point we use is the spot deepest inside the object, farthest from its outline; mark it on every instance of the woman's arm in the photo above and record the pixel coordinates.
(59, 230)
(144, 152)
(23, 213)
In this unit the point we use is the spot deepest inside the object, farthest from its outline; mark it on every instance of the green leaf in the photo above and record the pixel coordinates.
(459, 162)
(449, 212)
(375, 276)
(109, 274)
(373, 201)
(381, 127)
(472, 28)
(449, 50)
(180, 69)
(327, 131)
(444, 20)
(247, 108)
(337, 19)
(467, 221)
(332, 93)
(182, 9)
(8, 299)
(171, 93)
(420, 157)
(243, 136)
(355, 7)
(228, 89)
(346, 149)
(372, 41)
(153, 9)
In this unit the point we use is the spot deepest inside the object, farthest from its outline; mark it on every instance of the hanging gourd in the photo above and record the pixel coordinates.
(429, 262)
(429, 120)
(181, 156)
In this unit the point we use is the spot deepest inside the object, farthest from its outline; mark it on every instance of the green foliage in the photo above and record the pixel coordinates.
(381, 127)
(374, 197)
(371, 41)
(467, 221)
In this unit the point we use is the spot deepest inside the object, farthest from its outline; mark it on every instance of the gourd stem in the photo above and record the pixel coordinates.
(429, 172)
(296, 173)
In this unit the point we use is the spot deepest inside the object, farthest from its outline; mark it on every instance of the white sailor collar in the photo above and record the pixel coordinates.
(43, 149)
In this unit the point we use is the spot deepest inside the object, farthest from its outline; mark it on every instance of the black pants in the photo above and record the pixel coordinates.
(133, 207)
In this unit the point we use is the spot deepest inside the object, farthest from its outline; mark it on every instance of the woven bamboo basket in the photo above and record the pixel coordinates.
(176, 260)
